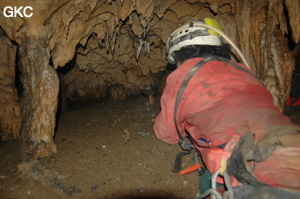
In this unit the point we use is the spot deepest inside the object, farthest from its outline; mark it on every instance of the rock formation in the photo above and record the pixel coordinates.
(117, 48)
(10, 104)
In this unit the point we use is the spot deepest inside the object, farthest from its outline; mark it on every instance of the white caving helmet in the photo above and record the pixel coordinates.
(193, 34)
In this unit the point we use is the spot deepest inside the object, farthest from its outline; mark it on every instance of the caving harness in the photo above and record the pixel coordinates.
(188, 148)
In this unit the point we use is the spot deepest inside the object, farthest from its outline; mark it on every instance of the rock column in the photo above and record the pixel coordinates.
(39, 99)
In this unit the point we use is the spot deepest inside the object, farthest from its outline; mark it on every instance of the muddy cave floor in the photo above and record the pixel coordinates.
(106, 149)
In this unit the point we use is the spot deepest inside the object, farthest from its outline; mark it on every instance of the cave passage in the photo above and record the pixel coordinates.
(70, 52)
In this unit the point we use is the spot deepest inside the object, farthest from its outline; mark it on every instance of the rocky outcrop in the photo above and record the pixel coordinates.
(117, 49)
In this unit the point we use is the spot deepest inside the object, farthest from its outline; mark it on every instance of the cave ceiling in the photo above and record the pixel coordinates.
(121, 43)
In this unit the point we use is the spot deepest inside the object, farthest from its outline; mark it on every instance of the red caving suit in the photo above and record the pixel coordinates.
(221, 104)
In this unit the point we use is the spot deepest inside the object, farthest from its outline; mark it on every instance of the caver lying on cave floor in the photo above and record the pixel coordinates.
(229, 117)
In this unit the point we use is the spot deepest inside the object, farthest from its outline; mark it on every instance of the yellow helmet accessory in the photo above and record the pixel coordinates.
(213, 23)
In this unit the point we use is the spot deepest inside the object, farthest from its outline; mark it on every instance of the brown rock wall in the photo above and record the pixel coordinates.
(10, 116)
(262, 39)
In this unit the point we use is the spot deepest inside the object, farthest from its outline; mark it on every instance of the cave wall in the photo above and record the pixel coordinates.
(10, 112)
(264, 25)
(100, 41)
(260, 29)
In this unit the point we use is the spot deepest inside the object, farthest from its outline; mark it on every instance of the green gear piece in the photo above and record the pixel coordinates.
(205, 182)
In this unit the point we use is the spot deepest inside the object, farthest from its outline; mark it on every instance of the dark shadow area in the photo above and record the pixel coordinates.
(18, 74)
(291, 43)
(66, 68)
(294, 98)
(62, 101)
(293, 114)
(171, 67)
(158, 194)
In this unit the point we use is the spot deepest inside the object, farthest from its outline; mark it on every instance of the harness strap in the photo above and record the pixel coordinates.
(240, 68)
(186, 147)
(182, 87)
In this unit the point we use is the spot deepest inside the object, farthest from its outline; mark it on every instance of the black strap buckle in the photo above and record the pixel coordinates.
(188, 148)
